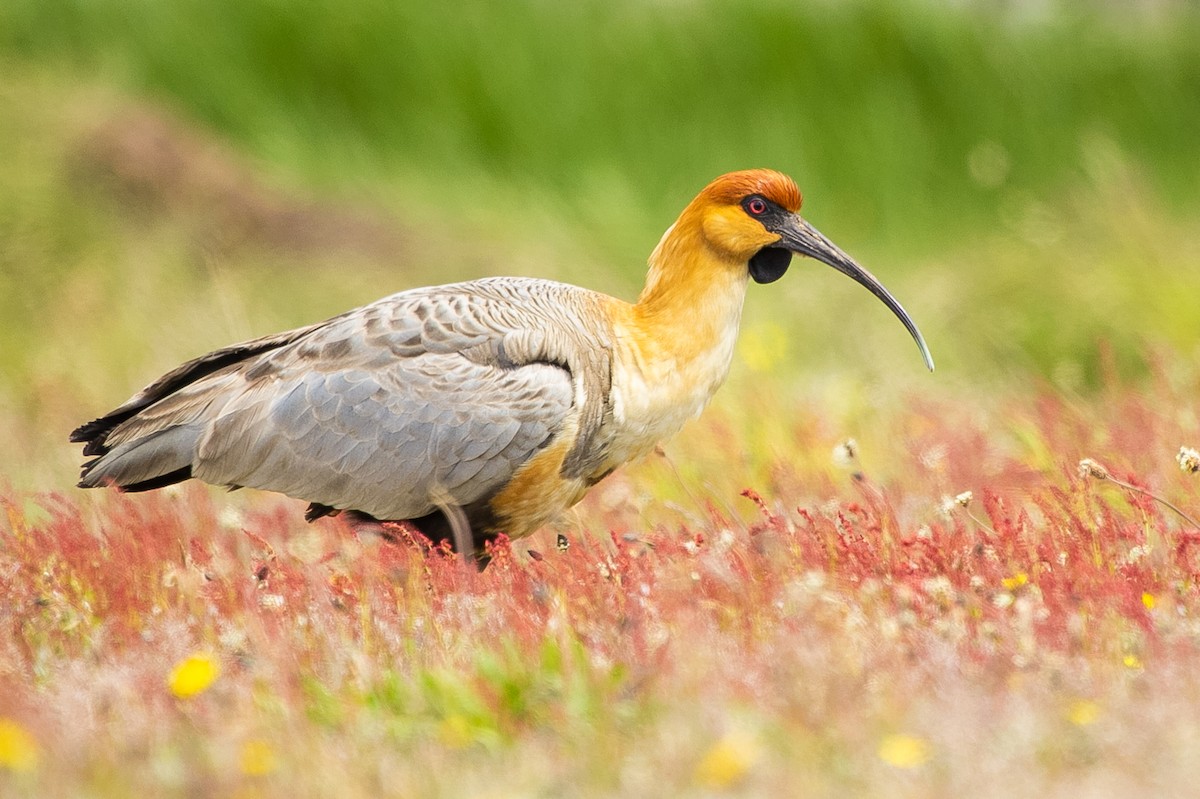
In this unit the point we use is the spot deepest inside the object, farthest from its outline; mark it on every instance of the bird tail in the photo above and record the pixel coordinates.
(151, 440)
(158, 459)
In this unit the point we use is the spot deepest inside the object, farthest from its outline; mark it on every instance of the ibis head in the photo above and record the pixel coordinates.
(752, 219)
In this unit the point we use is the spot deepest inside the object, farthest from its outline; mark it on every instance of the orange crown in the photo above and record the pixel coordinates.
(733, 187)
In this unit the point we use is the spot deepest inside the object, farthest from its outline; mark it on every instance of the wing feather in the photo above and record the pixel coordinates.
(424, 397)
(442, 449)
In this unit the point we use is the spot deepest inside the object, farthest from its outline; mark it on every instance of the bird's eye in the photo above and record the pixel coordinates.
(756, 206)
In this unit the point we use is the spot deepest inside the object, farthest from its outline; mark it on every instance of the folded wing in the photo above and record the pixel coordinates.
(426, 398)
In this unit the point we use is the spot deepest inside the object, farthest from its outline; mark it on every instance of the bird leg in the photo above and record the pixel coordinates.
(368, 527)
(449, 524)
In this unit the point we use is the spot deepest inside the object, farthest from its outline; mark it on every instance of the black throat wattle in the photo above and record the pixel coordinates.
(768, 264)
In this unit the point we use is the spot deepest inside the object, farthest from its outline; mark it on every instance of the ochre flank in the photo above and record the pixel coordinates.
(538, 491)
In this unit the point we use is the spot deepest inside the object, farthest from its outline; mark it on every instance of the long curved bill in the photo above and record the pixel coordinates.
(803, 239)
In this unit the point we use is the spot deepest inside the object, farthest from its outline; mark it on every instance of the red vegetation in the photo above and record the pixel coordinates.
(788, 621)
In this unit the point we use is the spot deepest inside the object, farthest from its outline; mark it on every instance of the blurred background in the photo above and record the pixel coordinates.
(178, 176)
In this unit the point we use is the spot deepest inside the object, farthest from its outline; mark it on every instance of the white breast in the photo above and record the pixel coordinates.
(654, 396)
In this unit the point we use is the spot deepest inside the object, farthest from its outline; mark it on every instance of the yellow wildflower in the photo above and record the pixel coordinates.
(455, 731)
(727, 761)
(1083, 712)
(193, 675)
(18, 749)
(258, 758)
(1132, 661)
(1149, 600)
(1016, 581)
(904, 751)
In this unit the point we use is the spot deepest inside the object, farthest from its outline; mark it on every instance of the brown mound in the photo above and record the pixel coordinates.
(158, 165)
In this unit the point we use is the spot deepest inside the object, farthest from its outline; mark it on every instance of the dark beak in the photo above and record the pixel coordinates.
(803, 239)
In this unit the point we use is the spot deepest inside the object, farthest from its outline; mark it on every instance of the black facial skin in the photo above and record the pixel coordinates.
(769, 263)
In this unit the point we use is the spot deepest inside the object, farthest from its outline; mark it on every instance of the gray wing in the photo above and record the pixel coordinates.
(391, 443)
(427, 397)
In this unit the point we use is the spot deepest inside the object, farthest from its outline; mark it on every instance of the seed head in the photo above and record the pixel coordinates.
(958, 501)
(845, 454)
(1189, 460)
(1089, 468)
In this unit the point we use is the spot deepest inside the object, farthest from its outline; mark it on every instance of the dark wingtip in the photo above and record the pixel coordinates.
(92, 436)
(85, 472)
(163, 480)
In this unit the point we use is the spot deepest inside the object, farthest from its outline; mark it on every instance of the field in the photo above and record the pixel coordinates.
(848, 578)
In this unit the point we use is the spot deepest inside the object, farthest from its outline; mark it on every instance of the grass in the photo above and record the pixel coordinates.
(832, 630)
(747, 614)
(911, 121)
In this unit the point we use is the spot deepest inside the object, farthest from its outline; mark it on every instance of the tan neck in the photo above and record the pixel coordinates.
(674, 345)
(692, 301)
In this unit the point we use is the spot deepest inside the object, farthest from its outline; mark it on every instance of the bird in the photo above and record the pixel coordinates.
(478, 408)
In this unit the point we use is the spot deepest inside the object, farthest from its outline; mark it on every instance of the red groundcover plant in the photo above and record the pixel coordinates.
(179, 641)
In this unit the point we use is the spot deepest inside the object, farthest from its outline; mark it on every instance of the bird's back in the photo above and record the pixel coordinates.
(427, 398)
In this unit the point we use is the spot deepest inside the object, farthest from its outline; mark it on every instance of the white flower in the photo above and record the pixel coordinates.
(272, 601)
(960, 501)
(845, 454)
(1189, 460)
(1136, 553)
(935, 457)
(939, 588)
(231, 518)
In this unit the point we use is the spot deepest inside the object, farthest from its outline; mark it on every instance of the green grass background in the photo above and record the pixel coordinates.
(1022, 175)
(876, 106)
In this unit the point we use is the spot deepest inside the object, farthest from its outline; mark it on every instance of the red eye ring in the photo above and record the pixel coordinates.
(757, 206)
